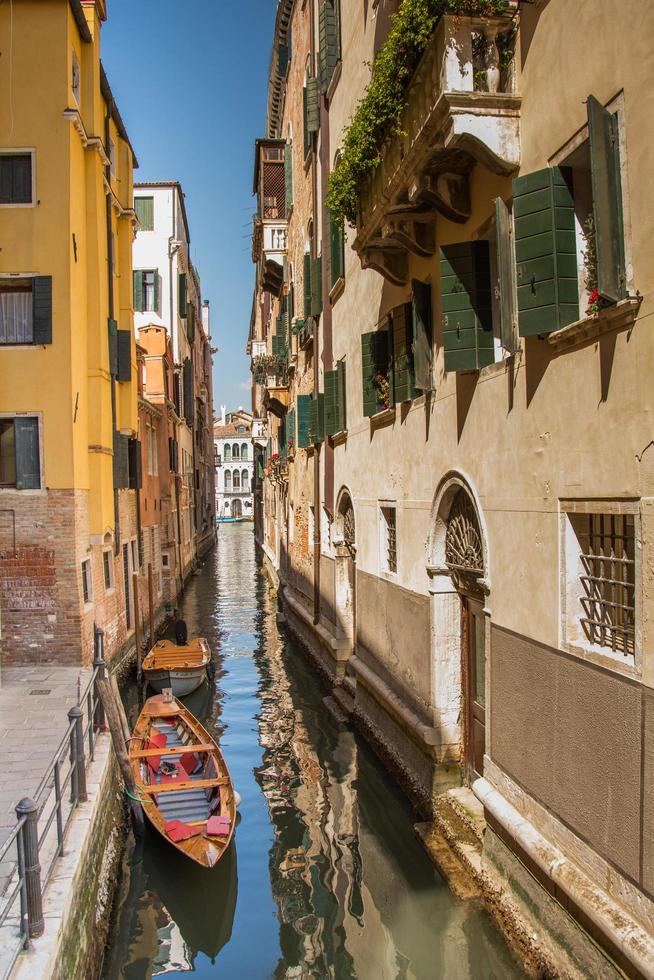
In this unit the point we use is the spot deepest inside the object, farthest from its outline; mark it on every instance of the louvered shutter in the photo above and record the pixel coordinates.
(182, 297)
(328, 39)
(124, 347)
(121, 461)
(506, 276)
(466, 304)
(42, 310)
(112, 331)
(545, 251)
(316, 286)
(607, 201)
(313, 106)
(375, 358)
(288, 176)
(403, 372)
(336, 252)
(144, 208)
(422, 334)
(331, 403)
(135, 464)
(28, 465)
(190, 323)
(303, 420)
(317, 416)
(188, 390)
(307, 285)
(342, 397)
(137, 277)
(290, 429)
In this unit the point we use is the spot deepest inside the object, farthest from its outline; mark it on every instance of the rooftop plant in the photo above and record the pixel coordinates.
(378, 114)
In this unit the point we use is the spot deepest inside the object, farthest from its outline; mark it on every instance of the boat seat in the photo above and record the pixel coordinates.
(190, 762)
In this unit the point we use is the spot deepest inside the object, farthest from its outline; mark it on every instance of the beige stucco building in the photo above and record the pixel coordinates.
(457, 490)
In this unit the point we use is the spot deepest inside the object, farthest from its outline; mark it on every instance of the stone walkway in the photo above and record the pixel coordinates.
(34, 705)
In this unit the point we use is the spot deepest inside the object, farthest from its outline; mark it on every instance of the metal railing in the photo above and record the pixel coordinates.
(38, 838)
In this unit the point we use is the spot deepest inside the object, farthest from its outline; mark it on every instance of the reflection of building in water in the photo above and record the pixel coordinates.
(173, 955)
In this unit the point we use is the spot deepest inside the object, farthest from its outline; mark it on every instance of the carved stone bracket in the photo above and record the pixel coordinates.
(391, 264)
(447, 192)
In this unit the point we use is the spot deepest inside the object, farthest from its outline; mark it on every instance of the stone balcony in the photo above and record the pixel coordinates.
(269, 241)
(459, 112)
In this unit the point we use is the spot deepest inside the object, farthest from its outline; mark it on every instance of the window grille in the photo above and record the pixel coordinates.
(608, 580)
(390, 538)
(86, 581)
(106, 565)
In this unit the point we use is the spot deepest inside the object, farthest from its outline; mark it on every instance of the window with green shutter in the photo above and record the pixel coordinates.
(316, 286)
(187, 369)
(288, 176)
(466, 306)
(182, 295)
(422, 334)
(332, 420)
(336, 252)
(282, 59)
(545, 251)
(607, 201)
(124, 350)
(307, 284)
(303, 420)
(121, 461)
(135, 464)
(42, 309)
(311, 112)
(144, 208)
(342, 397)
(376, 371)
(190, 323)
(317, 416)
(506, 277)
(401, 322)
(137, 277)
(28, 461)
(112, 331)
(328, 39)
(290, 431)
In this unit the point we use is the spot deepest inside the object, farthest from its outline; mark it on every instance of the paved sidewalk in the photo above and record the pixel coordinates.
(34, 705)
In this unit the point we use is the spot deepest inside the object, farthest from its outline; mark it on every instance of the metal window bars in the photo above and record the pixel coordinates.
(608, 581)
(391, 538)
(29, 854)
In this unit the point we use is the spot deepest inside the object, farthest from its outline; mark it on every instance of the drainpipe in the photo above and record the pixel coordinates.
(110, 287)
(316, 370)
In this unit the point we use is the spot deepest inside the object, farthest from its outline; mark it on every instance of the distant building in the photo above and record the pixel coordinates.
(234, 465)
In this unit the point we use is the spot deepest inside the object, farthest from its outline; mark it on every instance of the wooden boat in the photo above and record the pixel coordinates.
(182, 668)
(182, 780)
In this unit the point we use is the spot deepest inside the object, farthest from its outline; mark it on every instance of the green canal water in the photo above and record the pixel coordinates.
(325, 877)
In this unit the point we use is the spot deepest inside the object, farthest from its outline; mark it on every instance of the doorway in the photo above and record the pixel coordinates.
(473, 633)
(237, 510)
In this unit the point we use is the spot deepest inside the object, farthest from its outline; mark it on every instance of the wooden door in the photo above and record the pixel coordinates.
(474, 653)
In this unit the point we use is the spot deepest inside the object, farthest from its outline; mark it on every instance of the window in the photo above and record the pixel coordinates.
(87, 581)
(165, 560)
(244, 450)
(146, 291)
(329, 41)
(20, 464)
(236, 480)
(245, 480)
(16, 311)
(107, 568)
(151, 450)
(388, 538)
(600, 581)
(335, 400)
(228, 451)
(17, 177)
(228, 480)
(235, 451)
(241, 429)
(310, 108)
(144, 207)
(75, 77)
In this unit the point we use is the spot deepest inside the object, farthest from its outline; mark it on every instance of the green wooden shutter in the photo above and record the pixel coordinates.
(276, 341)
(135, 464)
(282, 59)
(137, 277)
(422, 334)
(182, 297)
(290, 430)
(342, 397)
(467, 309)
(157, 291)
(112, 330)
(190, 323)
(124, 346)
(331, 403)
(303, 420)
(336, 252)
(288, 176)
(375, 357)
(144, 208)
(328, 39)
(28, 466)
(313, 106)
(506, 276)
(121, 461)
(291, 305)
(607, 201)
(316, 286)
(402, 334)
(188, 390)
(545, 251)
(307, 285)
(42, 309)
(306, 135)
(317, 417)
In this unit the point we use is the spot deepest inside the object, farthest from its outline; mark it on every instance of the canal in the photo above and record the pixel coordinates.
(325, 877)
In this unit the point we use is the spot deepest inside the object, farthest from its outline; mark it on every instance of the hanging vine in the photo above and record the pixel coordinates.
(378, 114)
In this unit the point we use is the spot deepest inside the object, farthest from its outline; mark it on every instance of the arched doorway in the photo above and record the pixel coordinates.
(237, 508)
(344, 541)
(459, 588)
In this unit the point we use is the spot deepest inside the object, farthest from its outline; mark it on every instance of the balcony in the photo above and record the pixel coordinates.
(269, 233)
(461, 110)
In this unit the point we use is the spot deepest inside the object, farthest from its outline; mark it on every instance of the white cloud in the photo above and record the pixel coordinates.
(245, 385)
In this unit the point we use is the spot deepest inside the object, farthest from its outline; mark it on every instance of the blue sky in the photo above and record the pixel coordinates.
(190, 80)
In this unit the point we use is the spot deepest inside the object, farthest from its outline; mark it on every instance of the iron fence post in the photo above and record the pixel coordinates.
(32, 869)
(100, 674)
(77, 715)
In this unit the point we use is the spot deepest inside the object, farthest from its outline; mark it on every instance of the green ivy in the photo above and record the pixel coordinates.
(378, 114)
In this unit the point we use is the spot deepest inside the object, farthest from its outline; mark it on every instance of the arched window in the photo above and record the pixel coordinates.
(228, 451)
(244, 480)
(237, 480)
(244, 450)
(228, 479)
(235, 451)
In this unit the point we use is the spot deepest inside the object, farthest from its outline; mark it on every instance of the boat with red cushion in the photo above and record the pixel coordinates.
(182, 780)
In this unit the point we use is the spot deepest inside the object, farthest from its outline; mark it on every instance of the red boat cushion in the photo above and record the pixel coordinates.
(219, 826)
(177, 830)
(158, 741)
(190, 762)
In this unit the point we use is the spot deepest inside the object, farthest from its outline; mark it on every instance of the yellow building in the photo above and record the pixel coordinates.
(68, 411)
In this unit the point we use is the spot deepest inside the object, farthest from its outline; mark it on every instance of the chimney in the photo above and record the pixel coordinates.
(223, 409)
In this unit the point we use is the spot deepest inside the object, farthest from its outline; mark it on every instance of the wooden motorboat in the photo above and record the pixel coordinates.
(182, 668)
(182, 780)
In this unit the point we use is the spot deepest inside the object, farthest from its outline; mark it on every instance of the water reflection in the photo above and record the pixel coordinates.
(331, 879)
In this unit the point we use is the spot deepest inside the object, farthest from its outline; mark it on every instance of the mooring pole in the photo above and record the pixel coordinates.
(137, 627)
(31, 866)
(119, 732)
